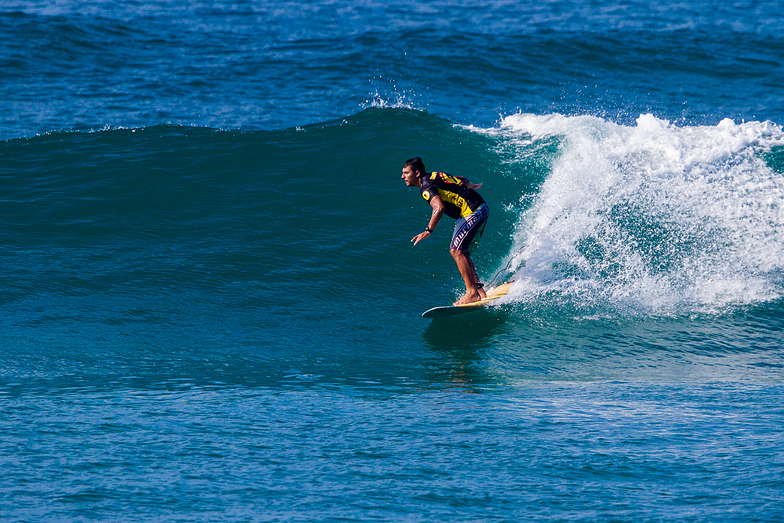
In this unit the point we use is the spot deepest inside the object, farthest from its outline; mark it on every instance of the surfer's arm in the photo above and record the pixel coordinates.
(438, 211)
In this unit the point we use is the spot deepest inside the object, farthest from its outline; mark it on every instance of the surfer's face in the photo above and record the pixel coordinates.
(410, 177)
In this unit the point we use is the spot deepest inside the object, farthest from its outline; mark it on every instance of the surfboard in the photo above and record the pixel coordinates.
(453, 310)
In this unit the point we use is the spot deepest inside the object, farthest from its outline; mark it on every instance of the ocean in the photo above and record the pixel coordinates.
(210, 306)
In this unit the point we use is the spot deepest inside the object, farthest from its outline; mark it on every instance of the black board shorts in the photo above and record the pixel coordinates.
(468, 230)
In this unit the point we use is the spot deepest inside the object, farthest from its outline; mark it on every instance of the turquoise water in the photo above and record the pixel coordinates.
(211, 305)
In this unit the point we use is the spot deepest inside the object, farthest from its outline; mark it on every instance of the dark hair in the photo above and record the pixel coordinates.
(416, 165)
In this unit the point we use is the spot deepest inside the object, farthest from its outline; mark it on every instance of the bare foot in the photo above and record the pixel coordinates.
(482, 293)
(470, 297)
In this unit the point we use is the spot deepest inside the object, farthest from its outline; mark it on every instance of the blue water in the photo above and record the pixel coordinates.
(210, 305)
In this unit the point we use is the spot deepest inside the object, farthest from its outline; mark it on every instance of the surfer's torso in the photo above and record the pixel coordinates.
(459, 201)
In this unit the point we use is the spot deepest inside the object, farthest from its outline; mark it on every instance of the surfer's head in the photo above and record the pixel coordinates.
(417, 167)
(412, 170)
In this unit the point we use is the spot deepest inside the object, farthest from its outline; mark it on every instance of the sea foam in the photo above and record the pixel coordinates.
(653, 217)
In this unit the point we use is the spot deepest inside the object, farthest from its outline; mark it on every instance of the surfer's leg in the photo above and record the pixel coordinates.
(465, 238)
(479, 285)
(468, 272)
(468, 232)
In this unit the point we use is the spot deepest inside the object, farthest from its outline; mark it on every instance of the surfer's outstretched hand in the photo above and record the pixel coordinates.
(419, 237)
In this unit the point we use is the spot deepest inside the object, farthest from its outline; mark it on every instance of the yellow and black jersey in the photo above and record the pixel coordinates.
(459, 200)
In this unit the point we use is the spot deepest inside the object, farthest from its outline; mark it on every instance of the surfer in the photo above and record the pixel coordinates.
(456, 197)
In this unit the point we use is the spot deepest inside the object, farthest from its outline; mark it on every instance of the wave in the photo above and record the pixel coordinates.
(644, 219)
(652, 217)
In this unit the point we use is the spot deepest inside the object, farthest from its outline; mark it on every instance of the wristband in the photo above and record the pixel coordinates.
(428, 229)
